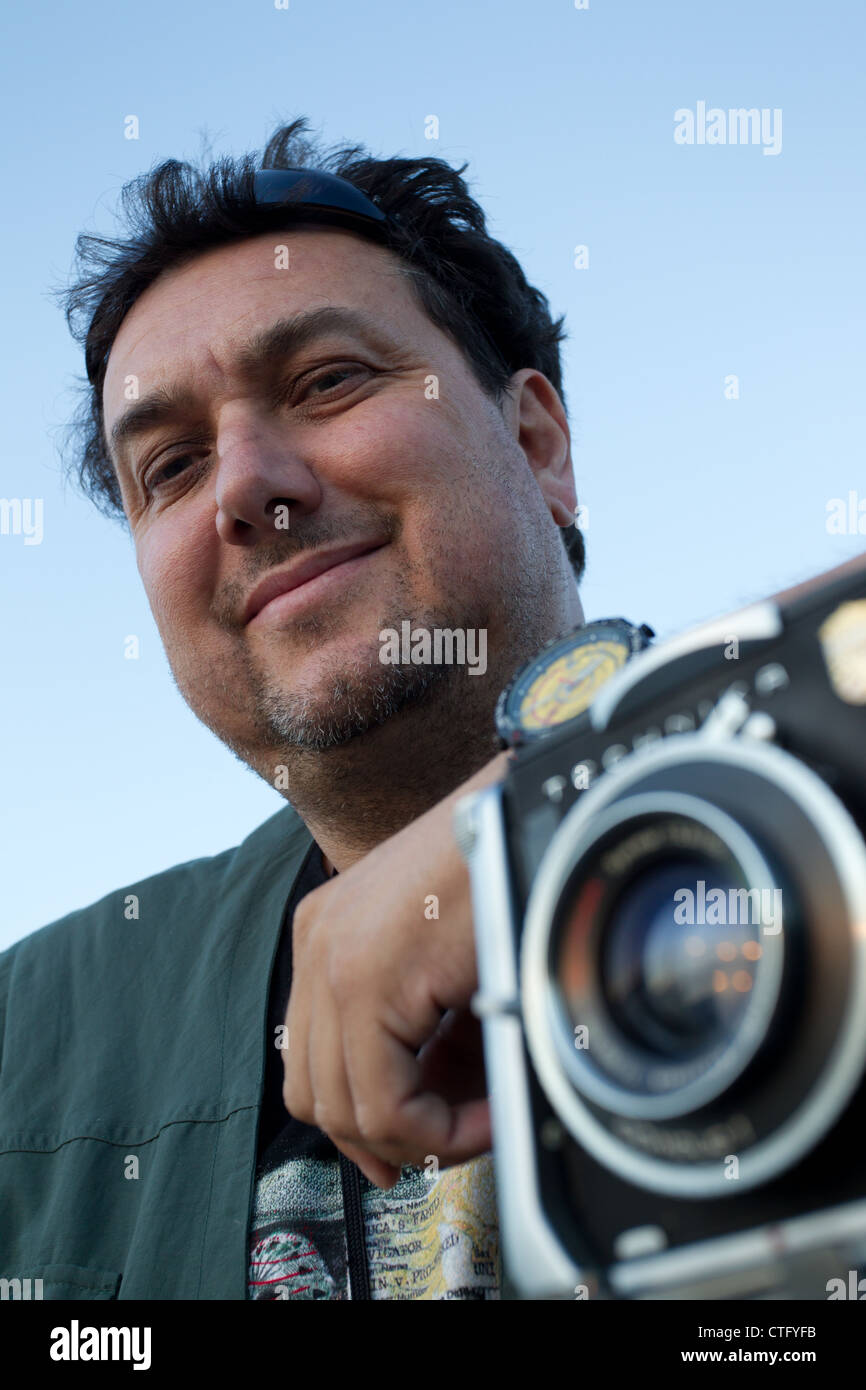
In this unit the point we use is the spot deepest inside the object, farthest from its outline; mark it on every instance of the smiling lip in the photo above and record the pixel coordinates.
(285, 581)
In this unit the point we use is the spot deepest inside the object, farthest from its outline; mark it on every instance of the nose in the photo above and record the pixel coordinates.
(262, 480)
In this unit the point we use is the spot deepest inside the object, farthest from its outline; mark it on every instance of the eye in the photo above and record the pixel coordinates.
(331, 374)
(163, 473)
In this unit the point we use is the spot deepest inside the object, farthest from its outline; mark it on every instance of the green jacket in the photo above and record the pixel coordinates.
(132, 1053)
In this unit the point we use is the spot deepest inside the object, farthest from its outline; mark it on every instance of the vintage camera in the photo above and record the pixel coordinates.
(669, 895)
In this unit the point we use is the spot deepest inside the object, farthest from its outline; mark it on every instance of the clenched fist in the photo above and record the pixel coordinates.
(383, 1053)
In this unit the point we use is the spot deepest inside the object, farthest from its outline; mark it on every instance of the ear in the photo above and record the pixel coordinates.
(538, 421)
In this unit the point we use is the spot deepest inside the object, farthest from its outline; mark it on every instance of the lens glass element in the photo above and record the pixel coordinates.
(656, 951)
(676, 972)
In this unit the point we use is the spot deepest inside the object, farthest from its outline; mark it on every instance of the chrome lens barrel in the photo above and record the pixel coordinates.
(670, 1046)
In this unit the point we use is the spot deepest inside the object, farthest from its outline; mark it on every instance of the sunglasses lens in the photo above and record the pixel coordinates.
(313, 188)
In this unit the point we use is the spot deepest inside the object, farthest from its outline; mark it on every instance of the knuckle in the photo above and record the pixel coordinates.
(345, 974)
(302, 919)
(309, 913)
(324, 1118)
(293, 1102)
(375, 1125)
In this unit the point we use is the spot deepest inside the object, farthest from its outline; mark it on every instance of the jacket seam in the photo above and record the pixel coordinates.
(128, 1143)
(101, 1285)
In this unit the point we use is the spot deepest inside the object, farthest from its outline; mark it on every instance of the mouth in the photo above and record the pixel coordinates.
(309, 581)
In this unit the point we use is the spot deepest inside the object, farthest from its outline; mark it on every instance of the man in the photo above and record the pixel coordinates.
(320, 419)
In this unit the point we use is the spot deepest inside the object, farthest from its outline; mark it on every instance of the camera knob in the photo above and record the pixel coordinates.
(760, 725)
(729, 714)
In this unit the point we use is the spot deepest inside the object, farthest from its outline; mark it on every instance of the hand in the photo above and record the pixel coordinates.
(383, 1053)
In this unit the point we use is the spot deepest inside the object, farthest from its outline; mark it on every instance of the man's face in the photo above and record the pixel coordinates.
(369, 437)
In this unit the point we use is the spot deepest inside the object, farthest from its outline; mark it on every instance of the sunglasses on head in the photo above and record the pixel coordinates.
(312, 195)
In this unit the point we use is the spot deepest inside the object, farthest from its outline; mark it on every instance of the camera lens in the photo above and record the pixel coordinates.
(671, 985)
(674, 1013)
(658, 957)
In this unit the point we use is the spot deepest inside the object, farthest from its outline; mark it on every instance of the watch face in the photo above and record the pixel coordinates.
(561, 682)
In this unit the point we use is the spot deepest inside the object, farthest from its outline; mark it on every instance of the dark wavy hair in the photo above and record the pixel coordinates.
(466, 282)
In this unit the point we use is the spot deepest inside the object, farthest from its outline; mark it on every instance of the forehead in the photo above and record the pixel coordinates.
(198, 313)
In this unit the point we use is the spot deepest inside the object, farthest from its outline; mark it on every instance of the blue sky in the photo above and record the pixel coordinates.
(706, 261)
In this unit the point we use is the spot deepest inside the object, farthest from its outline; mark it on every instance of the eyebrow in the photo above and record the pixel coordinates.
(255, 362)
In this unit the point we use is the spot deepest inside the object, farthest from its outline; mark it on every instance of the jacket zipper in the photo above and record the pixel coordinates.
(359, 1274)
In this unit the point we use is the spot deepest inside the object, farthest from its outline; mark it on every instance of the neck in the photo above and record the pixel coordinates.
(353, 797)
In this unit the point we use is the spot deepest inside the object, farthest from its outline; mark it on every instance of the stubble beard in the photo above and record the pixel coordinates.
(439, 709)
(345, 705)
(387, 739)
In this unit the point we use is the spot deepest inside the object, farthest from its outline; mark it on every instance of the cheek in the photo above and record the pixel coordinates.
(455, 492)
(173, 569)
(399, 450)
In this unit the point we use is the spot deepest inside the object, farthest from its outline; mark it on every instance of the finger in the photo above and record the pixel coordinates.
(452, 1061)
(381, 1174)
(333, 1106)
(297, 1084)
(397, 1120)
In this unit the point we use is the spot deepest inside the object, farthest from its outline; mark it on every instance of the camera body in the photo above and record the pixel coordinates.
(669, 897)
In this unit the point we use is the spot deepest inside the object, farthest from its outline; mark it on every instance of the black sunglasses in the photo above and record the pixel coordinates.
(311, 194)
